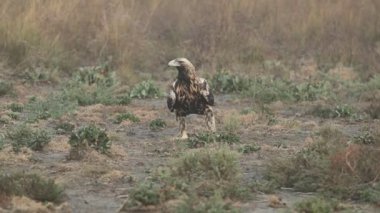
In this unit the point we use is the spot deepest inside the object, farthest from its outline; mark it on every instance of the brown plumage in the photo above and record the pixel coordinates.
(190, 94)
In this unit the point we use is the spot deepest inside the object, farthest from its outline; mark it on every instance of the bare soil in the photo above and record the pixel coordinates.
(100, 183)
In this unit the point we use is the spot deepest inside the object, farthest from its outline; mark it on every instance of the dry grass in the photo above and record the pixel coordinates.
(142, 35)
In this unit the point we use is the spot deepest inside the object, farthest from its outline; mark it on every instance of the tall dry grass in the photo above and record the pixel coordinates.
(142, 35)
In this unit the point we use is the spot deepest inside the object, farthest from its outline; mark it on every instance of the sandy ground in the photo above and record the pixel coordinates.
(100, 183)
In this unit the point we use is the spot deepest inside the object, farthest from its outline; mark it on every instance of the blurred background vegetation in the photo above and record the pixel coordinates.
(139, 37)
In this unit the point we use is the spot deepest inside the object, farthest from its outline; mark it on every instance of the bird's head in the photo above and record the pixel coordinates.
(186, 69)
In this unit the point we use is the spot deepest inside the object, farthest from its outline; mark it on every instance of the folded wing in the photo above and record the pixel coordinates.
(171, 98)
(206, 92)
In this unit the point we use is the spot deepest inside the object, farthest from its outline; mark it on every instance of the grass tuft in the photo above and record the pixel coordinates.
(30, 185)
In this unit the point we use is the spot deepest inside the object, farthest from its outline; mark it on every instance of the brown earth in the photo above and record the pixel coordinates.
(100, 183)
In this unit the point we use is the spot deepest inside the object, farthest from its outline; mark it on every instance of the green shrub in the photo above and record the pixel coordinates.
(64, 128)
(30, 185)
(339, 111)
(145, 194)
(201, 179)
(249, 148)
(95, 85)
(145, 89)
(204, 138)
(157, 124)
(88, 136)
(208, 164)
(316, 205)
(369, 194)
(311, 91)
(99, 75)
(2, 142)
(214, 204)
(54, 106)
(126, 116)
(365, 137)
(225, 82)
(15, 107)
(5, 88)
(24, 136)
(330, 165)
(14, 115)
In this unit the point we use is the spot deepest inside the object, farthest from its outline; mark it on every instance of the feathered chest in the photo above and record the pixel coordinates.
(190, 97)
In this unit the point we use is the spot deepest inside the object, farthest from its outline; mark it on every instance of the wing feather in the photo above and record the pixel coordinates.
(171, 97)
(206, 92)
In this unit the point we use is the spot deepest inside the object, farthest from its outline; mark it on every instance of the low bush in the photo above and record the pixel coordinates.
(225, 82)
(53, 106)
(95, 85)
(145, 89)
(64, 128)
(201, 179)
(330, 165)
(339, 111)
(16, 107)
(126, 117)
(24, 136)
(88, 136)
(5, 88)
(157, 124)
(249, 148)
(145, 194)
(30, 185)
(204, 138)
(316, 205)
(2, 142)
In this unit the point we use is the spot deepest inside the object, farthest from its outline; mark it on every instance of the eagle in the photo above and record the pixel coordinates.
(190, 94)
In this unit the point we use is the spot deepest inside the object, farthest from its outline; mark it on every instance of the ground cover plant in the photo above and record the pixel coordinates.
(87, 137)
(202, 179)
(204, 138)
(30, 185)
(24, 136)
(157, 124)
(126, 117)
(333, 166)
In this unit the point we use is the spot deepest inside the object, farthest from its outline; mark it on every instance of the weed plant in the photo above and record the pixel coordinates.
(145, 89)
(86, 137)
(331, 165)
(202, 179)
(24, 136)
(126, 117)
(30, 185)
(157, 124)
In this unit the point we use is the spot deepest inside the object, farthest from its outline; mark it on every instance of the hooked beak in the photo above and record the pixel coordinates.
(173, 63)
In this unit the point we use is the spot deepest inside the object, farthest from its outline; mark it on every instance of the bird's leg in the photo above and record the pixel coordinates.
(182, 128)
(210, 119)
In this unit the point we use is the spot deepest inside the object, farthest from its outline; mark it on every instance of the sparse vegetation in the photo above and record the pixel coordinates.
(126, 117)
(54, 106)
(204, 138)
(249, 148)
(24, 136)
(15, 107)
(278, 69)
(316, 205)
(339, 111)
(86, 137)
(145, 89)
(145, 194)
(64, 128)
(5, 88)
(157, 124)
(225, 82)
(30, 185)
(203, 177)
(329, 165)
